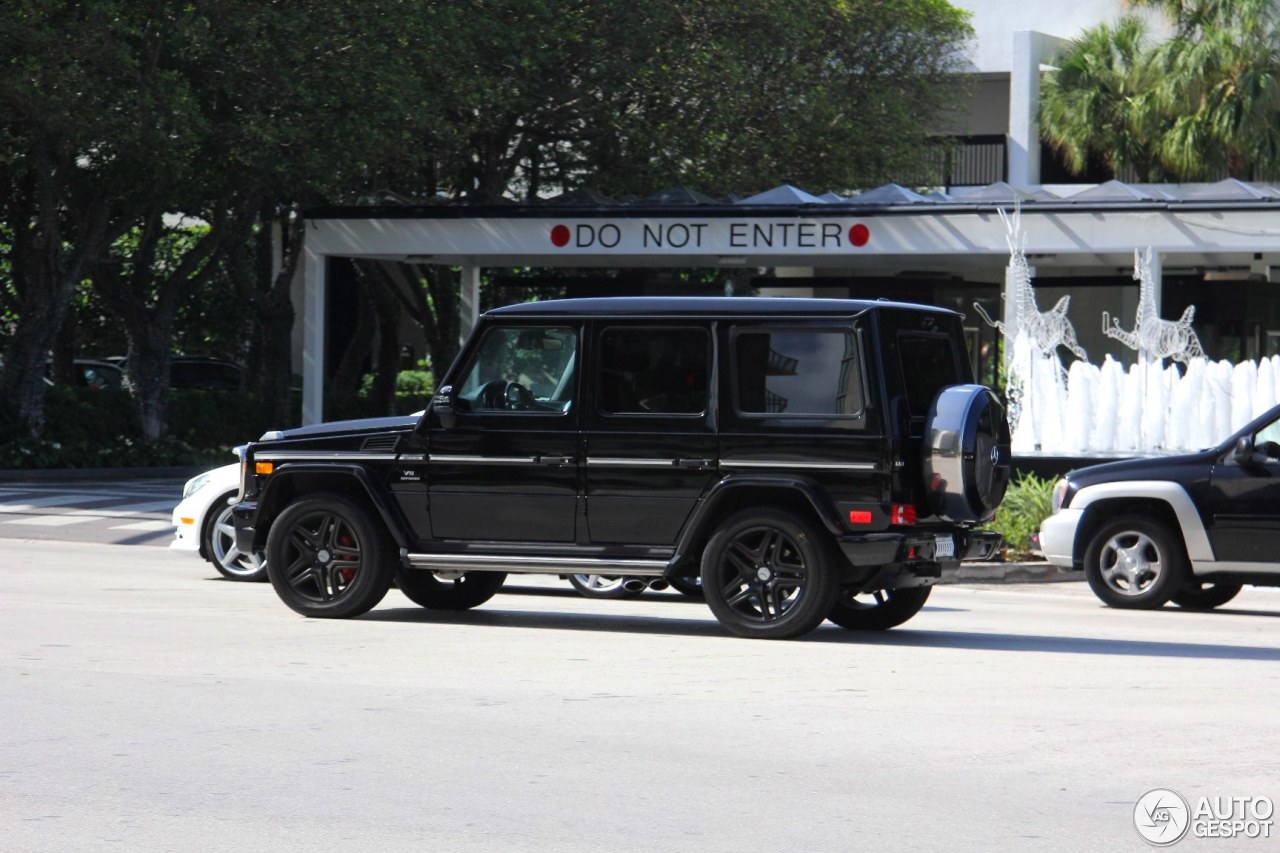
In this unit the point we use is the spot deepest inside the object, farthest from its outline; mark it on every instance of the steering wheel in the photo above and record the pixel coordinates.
(519, 397)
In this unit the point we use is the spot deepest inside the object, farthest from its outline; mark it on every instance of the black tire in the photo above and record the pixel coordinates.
(218, 541)
(1135, 562)
(879, 610)
(967, 457)
(1195, 595)
(690, 585)
(327, 557)
(444, 591)
(767, 574)
(603, 586)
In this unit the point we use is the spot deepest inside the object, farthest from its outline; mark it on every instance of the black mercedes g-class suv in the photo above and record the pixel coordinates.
(806, 459)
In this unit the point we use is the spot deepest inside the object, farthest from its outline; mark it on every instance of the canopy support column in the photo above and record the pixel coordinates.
(313, 337)
(469, 307)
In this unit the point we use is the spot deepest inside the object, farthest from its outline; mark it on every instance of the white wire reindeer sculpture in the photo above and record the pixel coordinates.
(1152, 336)
(1047, 330)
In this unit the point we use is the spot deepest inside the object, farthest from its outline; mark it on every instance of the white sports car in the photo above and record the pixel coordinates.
(203, 524)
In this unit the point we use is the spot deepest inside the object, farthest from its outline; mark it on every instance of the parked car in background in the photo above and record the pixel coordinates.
(1191, 529)
(202, 523)
(198, 372)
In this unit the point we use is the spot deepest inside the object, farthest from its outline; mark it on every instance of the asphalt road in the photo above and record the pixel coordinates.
(148, 705)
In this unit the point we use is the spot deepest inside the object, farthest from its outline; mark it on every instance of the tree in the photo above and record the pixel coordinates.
(1101, 102)
(1202, 104)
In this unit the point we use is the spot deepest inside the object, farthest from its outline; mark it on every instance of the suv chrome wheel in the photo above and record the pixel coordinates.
(764, 575)
(220, 546)
(1134, 562)
(606, 586)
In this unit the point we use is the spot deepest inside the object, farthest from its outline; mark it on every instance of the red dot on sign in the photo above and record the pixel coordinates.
(859, 234)
(560, 235)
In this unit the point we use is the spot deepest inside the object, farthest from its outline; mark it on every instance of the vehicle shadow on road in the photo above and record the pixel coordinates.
(1059, 645)
(708, 627)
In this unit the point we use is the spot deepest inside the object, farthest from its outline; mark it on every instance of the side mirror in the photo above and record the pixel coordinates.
(1243, 454)
(442, 407)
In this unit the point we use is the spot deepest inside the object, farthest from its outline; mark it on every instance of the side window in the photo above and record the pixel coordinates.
(654, 371)
(522, 369)
(798, 372)
(928, 364)
(1270, 432)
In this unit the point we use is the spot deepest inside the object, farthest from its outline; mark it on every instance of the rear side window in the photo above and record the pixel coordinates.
(928, 366)
(798, 372)
(654, 371)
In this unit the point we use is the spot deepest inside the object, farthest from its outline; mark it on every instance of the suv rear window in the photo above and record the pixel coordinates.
(799, 372)
(928, 365)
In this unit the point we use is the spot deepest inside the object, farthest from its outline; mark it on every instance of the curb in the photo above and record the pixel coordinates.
(1040, 572)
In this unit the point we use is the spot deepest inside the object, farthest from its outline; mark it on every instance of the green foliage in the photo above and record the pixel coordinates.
(1203, 103)
(1027, 503)
(101, 429)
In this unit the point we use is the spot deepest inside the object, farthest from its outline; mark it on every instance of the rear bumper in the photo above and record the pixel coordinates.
(879, 549)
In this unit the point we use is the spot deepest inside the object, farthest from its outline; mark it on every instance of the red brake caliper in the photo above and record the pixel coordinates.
(347, 573)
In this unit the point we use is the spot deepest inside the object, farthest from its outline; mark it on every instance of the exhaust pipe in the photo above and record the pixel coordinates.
(658, 584)
(634, 585)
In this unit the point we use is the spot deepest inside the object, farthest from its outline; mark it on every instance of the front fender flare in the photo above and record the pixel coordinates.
(269, 500)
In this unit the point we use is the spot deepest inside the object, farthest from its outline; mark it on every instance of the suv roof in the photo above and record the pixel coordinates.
(705, 305)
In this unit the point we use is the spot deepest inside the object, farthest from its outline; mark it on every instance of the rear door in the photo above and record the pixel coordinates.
(650, 437)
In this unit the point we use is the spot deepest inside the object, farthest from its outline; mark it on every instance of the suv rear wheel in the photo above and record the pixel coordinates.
(765, 574)
(448, 590)
(1134, 562)
(879, 610)
(327, 557)
(1195, 595)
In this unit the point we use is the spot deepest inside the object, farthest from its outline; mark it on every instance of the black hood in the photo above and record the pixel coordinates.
(341, 427)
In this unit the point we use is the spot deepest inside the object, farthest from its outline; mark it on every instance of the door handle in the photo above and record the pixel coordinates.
(693, 463)
(555, 461)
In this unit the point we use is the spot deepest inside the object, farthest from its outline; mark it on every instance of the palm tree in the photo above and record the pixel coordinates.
(1220, 79)
(1101, 102)
(1203, 104)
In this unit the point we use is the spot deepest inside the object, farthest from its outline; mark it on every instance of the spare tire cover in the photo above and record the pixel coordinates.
(966, 455)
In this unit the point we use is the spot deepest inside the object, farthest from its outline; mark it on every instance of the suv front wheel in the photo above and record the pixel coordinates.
(327, 557)
(766, 574)
(1134, 562)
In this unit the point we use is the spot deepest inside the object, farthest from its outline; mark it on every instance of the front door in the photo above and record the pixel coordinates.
(1244, 504)
(507, 470)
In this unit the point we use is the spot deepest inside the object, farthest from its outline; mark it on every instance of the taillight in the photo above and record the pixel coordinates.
(902, 514)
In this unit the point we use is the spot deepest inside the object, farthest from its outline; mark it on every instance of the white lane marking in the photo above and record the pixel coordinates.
(144, 525)
(126, 510)
(40, 503)
(48, 520)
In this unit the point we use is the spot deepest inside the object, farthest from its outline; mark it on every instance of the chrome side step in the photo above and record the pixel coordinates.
(535, 565)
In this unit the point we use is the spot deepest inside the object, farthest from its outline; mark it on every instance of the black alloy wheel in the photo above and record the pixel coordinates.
(879, 610)
(766, 574)
(448, 590)
(327, 557)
